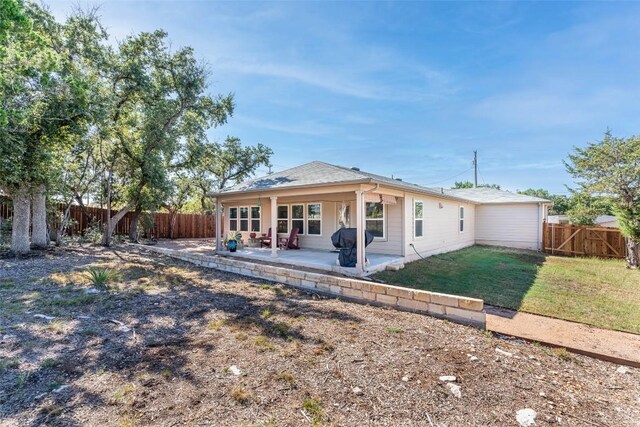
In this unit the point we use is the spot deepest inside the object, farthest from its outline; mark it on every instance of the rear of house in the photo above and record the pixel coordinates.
(406, 220)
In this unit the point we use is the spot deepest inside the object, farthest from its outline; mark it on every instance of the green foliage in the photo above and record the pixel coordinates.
(469, 184)
(101, 277)
(611, 168)
(561, 204)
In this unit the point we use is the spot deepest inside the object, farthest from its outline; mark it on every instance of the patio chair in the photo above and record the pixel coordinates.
(266, 240)
(292, 241)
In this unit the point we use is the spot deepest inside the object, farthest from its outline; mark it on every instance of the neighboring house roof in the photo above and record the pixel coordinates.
(320, 173)
(485, 195)
(605, 218)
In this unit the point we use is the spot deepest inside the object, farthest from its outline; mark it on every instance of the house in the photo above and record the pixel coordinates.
(606, 221)
(408, 221)
(558, 219)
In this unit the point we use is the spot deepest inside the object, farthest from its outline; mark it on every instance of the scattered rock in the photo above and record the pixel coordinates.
(526, 417)
(448, 378)
(61, 388)
(91, 291)
(43, 316)
(405, 378)
(473, 358)
(622, 370)
(235, 370)
(504, 353)
(124, 329)
(357, 391)
(454, 389)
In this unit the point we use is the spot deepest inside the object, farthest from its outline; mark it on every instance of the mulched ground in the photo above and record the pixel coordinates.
(174, 344)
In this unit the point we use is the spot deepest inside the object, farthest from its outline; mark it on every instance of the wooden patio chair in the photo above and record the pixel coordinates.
(266, 240)
(292, 241)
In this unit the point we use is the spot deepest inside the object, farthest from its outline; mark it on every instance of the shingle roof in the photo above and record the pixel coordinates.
(321, 173)
(491, 195)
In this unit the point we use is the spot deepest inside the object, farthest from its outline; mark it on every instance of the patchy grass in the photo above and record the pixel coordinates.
(240, 395)
(263, 343)
(599, 292)
(393, 330)
(9, 363)
(313, 407)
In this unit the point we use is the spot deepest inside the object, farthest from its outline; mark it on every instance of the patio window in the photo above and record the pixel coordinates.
(344, 215)
(461, 219)
(244, 218)
(283, 219)
(418, 218)
(255, 218)
(297, 218)
(374, 219)
(314, 219)
(233, 219)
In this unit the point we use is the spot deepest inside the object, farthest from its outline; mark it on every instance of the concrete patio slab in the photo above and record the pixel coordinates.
(308, 258)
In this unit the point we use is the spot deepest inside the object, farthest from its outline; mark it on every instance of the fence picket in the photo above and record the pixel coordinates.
(572, 240)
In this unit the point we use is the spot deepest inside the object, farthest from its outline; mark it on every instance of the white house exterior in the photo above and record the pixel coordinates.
(407, 220)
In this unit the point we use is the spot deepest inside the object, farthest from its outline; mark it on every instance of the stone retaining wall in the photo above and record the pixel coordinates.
(458, 309)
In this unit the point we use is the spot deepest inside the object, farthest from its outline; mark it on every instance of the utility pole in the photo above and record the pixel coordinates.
(475, 168)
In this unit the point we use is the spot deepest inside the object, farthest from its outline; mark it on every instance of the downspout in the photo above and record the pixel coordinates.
(539, 227)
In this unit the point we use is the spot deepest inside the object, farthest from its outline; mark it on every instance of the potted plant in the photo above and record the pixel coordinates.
(232, 240)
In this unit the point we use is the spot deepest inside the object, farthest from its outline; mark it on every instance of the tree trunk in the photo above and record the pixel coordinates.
(111, 225)
(21, 220)
(39, 233)
(633, 253)
(172, 223)
(133, 226)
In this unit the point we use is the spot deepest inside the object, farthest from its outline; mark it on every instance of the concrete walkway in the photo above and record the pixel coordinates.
(613, 346)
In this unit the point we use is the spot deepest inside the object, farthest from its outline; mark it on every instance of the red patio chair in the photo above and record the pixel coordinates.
(266, 241)
(293, 243)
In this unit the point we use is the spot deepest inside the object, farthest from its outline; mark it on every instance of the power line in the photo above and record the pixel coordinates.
(455, 176)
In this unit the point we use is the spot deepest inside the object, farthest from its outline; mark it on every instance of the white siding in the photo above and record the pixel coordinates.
(440, 227)
(512, 225)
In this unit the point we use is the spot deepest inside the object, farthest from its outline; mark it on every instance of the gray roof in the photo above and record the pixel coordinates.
(320, 173)
(484, 195)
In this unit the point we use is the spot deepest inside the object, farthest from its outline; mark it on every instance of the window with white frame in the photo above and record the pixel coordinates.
(343, 215)
(461, 219)
(244, 218)
(255, 218)
(233, 219)
(418, 218)
(374, 219)
(297, 218)
(283, 219)
(314, 219)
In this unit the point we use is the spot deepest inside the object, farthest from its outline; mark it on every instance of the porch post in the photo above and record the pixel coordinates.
(274, 226)
(360, 226)
(218, 225)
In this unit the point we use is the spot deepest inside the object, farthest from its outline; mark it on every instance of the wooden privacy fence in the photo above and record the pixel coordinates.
(576, 240)
(186, 225)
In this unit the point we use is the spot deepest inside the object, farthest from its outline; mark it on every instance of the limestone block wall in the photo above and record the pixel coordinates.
(455, 308)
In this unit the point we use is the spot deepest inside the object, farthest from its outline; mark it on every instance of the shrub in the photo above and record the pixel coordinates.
(100, 277)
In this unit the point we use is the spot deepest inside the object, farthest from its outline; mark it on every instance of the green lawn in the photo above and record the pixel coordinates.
(599, 292)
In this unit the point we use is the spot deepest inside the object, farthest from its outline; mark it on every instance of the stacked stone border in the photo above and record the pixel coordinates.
(468, 311)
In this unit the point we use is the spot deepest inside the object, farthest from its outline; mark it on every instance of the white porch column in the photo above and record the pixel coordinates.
(274, 226)
(360, 226)
(218, 225)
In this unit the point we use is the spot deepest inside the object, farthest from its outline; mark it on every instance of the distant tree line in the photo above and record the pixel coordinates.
(124, 126)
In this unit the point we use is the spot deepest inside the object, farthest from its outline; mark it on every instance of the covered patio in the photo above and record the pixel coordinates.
(316, 259)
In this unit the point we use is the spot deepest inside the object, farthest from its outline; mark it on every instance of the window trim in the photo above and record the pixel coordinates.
(383, 219)
(461, 219)
(306, 218)
(415, 219)
(249, 218)
(303, 219)
(288, 219)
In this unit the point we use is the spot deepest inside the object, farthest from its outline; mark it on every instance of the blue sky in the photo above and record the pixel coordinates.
(411, 89)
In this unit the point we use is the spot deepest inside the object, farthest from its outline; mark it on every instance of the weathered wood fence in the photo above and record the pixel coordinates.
(575, 240)
(186, 225)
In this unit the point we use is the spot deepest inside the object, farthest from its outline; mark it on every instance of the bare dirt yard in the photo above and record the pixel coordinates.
(171, 344)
